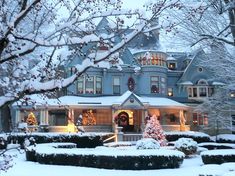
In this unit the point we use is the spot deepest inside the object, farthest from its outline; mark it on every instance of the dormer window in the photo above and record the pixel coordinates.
(232, 94)
(172, 65)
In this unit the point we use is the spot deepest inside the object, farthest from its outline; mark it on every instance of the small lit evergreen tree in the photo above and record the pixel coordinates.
(31, 120)
(154, 130)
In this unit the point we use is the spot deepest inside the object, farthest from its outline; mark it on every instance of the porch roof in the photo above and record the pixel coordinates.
(105, 101)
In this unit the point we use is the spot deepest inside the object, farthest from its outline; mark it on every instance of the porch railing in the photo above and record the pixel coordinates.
(132, 137)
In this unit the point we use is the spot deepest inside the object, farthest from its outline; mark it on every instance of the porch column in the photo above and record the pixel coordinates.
(113, 123)
(17, 116)
(44, 117)
(144, 114)
(182, 120)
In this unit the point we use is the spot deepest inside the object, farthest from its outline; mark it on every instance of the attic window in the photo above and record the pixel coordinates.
(172, 65)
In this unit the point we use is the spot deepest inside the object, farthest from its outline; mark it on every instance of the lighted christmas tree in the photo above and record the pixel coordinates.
(154, 130)
(31, 119)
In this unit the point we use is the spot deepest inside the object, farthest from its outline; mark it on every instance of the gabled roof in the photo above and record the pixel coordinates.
(189, 67)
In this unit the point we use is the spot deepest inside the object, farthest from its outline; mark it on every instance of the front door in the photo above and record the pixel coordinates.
(123, 121)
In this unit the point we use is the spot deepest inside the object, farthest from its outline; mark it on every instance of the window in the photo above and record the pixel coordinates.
(233, 120)
(190, 92)
(163, 85)
(154, 84)
(90, 84)
(210, 91)
(80, 85)
(116, 85)
(170, 92)
(202, 91)
(194, 92)
(172, 65)
(98, 85)
(200, 119)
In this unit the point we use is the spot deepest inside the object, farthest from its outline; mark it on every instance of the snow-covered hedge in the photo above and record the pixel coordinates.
(213, 145)
(87, 140)
(218, 156)
(3, 141)
(31, 150)
(196, 136)
(226, 138)
(186, 145)
(147, 143)
(109, 157)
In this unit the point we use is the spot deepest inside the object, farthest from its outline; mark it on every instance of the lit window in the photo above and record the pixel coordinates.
(90, 84)
(170, 92)
(116, 85)
(200, 119)
(98, 85)
(154, 83)
(172, 65)
(232, 94)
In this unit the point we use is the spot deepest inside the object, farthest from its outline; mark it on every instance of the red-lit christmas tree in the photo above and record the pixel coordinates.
(154, 130)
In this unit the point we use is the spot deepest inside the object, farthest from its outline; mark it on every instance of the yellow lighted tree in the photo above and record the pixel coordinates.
(31, 119)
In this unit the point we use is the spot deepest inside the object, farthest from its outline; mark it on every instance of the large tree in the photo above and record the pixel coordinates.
(210, 25)
(32, 32)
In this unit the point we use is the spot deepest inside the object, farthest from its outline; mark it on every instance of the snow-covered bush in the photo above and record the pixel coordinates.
(3, 142)
(218, 156)
(5, 162)
(186, 145)
(196, 136)
(147, 143)
(154, 130)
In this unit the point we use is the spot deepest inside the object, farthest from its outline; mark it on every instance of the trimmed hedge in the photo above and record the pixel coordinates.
(196, 136)
(226, 138)
(3, 143)
(82, 141)
(112, 162)
(99, 158)
(214, 146)
(218, 156)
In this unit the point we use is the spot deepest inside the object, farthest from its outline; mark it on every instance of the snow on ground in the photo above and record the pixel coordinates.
(191, 167)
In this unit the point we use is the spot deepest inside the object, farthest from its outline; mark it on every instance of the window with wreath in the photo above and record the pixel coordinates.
(154, 84)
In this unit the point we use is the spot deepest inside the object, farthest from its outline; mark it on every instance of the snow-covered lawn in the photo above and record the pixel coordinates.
(191, 167)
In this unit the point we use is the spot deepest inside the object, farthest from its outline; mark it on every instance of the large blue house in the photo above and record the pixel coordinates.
(150, 82)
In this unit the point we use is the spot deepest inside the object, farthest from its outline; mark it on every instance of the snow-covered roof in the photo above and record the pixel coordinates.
(102, 101)
(215, 83)
(170, 58)
(186, 83)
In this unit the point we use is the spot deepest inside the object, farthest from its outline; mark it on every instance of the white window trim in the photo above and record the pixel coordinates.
(198, 91)
(94, 84)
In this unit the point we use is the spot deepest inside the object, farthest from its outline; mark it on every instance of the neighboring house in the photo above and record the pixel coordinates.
(151, 82)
